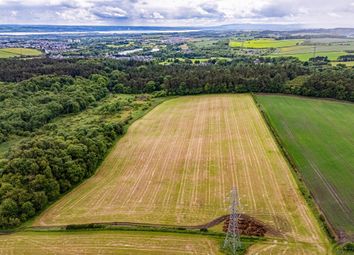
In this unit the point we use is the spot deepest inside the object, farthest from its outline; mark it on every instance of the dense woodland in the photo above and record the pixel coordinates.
(32, 103)
(14, 70)
(50, 160)
(240, 75)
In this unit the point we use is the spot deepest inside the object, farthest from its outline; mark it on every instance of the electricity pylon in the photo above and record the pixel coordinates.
(232, 240)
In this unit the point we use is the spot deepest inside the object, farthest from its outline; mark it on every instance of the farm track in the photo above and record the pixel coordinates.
(177, 165)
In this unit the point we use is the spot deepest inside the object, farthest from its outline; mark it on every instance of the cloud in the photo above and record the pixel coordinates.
(199, 12)
(157, 15)
(74, 15)
(212, 10)
(275, 10)
(110, 12)
(325, 13)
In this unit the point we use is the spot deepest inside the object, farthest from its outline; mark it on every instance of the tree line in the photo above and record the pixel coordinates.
(15, 70)
(242, 74)
(268, 77)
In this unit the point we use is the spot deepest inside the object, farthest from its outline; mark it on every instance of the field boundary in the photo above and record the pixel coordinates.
(202, 227)
(304, 97)
(307, 194)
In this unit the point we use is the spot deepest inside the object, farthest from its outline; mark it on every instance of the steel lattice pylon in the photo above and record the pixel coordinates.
(232, 240)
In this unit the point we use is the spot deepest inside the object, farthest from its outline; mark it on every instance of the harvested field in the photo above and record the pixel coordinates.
(319, 136)
(177, 165)
(106, 242)
(284, 248)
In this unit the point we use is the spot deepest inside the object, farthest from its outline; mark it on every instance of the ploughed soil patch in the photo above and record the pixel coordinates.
(247, 225)
(250, 226)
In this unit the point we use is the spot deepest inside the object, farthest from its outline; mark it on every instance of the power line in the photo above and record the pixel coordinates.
(232, 239)
(314, 51)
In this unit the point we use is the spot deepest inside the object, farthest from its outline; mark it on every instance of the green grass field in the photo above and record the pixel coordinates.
(349, 63)
(18, 52)
(118, 46)
(319, 48)
(306, 51)
(106, 242)
(319, 136)
(307, 55)
(201, 60)
(204, 43)
(265, 43)
(330, 40)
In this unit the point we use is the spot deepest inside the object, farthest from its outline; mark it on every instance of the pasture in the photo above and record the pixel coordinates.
(195, 60)
(320, 47)
(265, 43)
(319, 136)
(348, 63)
(106, 242)
(305, 56)
(177, 165)
(18, 52)
(119, 46)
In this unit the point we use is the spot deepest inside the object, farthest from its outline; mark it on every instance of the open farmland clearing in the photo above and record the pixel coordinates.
(177, 165)
(18, 52)
(106, 242)
(305, 56)
(348, 63)
(323, 48)
(319, 135)
(265, 43)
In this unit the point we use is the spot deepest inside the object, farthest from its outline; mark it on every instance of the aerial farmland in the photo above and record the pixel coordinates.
(232, 139)
(200, 135)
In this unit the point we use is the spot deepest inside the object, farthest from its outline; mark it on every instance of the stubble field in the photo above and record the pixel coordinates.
(177, 165)
(106, 242)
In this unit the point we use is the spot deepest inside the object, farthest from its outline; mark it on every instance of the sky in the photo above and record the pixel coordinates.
(307, 13)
